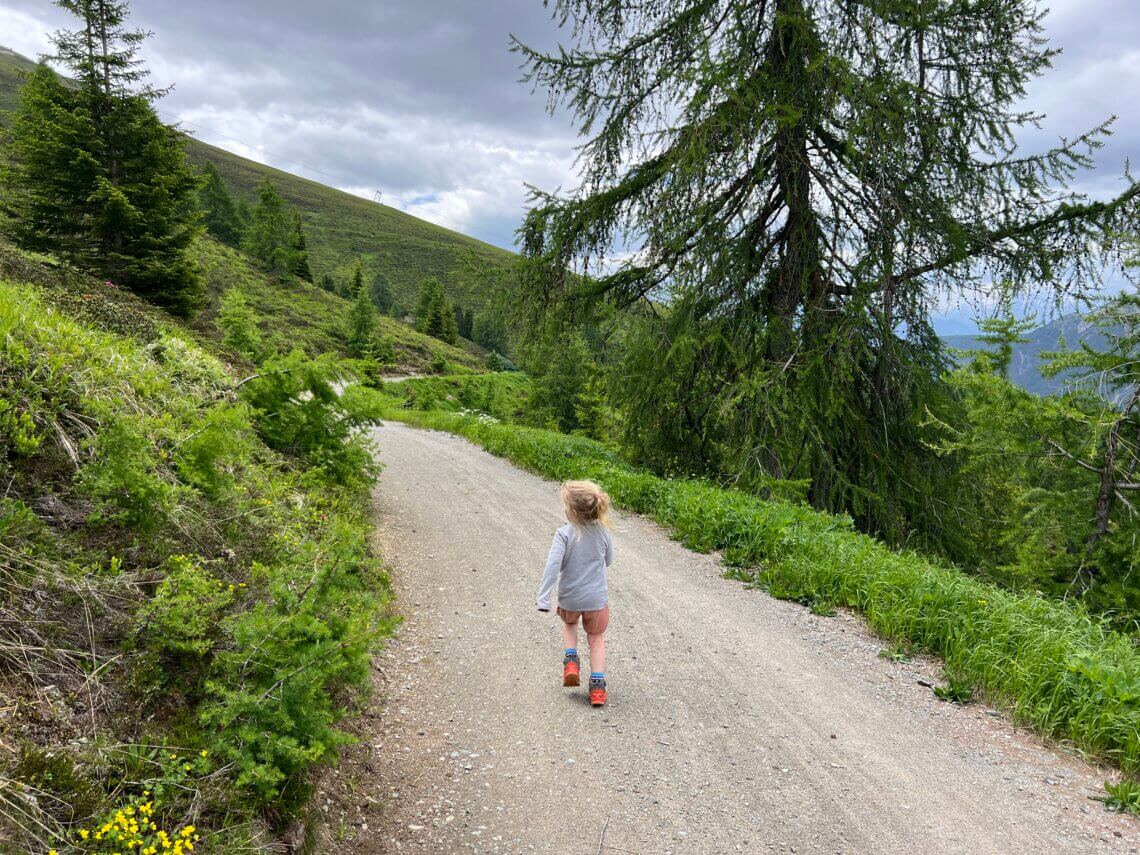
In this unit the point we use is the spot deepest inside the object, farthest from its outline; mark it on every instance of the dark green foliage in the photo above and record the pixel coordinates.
(329, 284)
(489, 330)
(239, 323)
(362, 325)
(464, 321)
(223, 219)
(357, 286)
(804, 178)
(434, 313)
(561, 367)
(297, 411)
(96, 177)
(299, 261)
(269, 237)
(381, 294)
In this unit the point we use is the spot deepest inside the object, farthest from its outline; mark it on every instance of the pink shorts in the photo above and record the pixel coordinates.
(594, 623)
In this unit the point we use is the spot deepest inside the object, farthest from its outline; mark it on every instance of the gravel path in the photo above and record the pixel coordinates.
(737, 723)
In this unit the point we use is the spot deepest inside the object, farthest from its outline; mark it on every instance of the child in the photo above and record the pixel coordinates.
(579, 556)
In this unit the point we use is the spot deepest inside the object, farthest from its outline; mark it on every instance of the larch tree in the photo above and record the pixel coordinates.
(94, 175)
(798, 180)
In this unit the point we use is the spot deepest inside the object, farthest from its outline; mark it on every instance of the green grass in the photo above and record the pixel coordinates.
(340, 227)
(1052, 666)
(198, 556)
(500, 394)
(296, 314)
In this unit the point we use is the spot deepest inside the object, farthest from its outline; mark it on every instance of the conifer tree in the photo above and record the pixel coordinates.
(382, 294)
(269, 236)
(299, 260)
(357, 287)
(239, 323)
(93, 174)
(222, 216)
(361, 318)
(448, 327)
(1114, 369)
(329, 284)
(1002, 332)
(805, 177)
(428, 290)
(490, 331)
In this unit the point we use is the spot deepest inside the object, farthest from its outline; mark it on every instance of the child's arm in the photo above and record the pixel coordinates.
(609, 550)
(550, 574)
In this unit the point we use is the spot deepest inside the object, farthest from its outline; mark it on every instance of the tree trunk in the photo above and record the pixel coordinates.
(1106, 492)
(797, 282)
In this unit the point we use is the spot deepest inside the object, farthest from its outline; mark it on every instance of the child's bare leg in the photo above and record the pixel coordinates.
(570, 635)
(597, 652)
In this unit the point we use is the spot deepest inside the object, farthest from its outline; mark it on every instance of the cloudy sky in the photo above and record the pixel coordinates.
(420, 99)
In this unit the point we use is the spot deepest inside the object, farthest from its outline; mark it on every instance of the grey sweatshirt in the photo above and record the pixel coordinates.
(578, 561)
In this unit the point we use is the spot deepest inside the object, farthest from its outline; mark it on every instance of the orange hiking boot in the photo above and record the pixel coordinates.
(597, 692)
(571, 668)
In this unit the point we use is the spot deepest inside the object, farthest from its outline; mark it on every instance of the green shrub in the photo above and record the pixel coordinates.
(296, 410)
(212, 547)
(182, 618)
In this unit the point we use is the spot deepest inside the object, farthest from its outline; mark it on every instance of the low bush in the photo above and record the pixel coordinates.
(184, 561)
(1054, 666)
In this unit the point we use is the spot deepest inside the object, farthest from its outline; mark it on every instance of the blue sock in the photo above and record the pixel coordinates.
(597, 675)
(571, 651)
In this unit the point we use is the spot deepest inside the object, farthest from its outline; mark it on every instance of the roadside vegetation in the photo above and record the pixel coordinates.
(189, 597)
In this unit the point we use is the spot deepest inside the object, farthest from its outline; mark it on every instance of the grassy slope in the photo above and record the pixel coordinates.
(297, 314)
(340, 227)
(147, 523)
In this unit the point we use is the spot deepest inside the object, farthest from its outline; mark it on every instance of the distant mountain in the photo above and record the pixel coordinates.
(1025, 369)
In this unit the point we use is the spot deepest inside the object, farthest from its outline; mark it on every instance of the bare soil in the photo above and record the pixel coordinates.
(736, 722)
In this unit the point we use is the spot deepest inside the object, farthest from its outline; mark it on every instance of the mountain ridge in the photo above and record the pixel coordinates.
(340, 227)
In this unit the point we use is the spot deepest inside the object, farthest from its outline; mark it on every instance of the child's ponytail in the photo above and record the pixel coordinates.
(585, 503)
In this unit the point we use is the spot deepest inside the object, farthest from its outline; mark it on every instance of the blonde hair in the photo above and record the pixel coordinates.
(585, 503)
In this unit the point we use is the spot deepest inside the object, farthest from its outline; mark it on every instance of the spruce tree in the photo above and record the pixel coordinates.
(299, 259)
(329, 284)
(93, 174)
(357, 287)
(382, 294)
(361, 325)
(448, 327)
(805, 178)
(269, 236)
(490, 331)
(222, 217)
(428, 290)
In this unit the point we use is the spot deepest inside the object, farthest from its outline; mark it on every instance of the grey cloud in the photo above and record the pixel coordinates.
(420, 98)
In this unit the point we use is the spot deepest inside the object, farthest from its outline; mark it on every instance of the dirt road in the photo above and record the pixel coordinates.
(737, 723)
